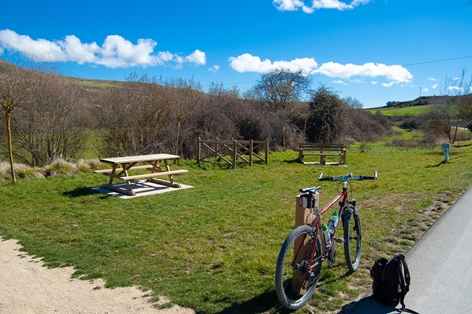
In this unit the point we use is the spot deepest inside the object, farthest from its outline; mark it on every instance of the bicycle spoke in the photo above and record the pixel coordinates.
(298, 268)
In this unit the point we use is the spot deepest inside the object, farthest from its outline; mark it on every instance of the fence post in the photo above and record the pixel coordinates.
(216, 148)
(251, 148)
(199, 149)
(235, 143)
(267, 151)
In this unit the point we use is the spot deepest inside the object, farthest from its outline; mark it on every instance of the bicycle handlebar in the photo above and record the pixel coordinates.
(347, 177)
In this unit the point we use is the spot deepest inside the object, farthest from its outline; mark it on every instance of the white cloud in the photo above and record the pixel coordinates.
(339, 82)
(249, 63)
(374, 82)
(425, 89)
(288, 5)
(394, 73)
(116, 51)
(293, 5)
(435, 86)
(214, 68)
(198, 57)
(432, 79)
(357, 81)
(455, 88)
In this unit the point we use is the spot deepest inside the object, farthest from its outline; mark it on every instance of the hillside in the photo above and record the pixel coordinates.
(422, 101)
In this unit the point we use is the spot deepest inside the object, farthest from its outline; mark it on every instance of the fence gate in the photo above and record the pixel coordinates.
(230, 150)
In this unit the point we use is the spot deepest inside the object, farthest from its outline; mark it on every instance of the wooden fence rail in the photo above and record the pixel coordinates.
(230, 150)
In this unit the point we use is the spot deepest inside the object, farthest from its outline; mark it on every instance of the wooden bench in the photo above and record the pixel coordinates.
(154, 174)
(322, 150)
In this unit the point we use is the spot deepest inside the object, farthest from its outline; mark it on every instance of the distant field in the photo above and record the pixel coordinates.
(397, 111)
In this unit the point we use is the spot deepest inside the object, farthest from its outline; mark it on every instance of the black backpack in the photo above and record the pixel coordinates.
(391, 281)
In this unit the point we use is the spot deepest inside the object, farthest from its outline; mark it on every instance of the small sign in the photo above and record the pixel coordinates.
(446, 148)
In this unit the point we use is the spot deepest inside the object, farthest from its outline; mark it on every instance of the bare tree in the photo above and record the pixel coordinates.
(13, 88)
(445, 118)
(186, 97)
(280, 87)
(50, 122)
(134, 116)
(353, 102)
(280, 93)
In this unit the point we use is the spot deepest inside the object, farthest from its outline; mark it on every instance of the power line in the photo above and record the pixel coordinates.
(434, 61)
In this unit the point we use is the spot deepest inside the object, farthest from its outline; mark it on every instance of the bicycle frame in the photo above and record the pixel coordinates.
(316, 222)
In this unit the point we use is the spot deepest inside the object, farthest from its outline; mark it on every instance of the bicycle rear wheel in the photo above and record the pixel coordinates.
(352, 238)
(298, 267)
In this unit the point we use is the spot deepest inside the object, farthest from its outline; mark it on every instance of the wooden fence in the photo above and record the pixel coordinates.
(230, 151)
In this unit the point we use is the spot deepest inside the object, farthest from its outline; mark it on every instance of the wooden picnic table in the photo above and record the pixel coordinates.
(156, 164)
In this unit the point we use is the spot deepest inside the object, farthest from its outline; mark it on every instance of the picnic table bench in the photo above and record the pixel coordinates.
(322, 150)
(122, 165)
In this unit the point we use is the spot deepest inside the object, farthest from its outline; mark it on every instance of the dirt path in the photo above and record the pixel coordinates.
(26, 286)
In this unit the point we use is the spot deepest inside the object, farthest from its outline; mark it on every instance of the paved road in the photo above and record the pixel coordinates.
(440, 265)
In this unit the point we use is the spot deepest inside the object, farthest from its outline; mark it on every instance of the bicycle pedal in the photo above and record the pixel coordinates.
(339, 240)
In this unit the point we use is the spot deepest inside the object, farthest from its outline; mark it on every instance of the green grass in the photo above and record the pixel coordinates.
(213, 248)
(403, 111)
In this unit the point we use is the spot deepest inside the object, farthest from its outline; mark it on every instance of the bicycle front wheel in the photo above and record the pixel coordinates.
(352, 238)
(298, 267)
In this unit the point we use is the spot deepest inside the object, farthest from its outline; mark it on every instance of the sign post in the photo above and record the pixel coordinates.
(446, 148)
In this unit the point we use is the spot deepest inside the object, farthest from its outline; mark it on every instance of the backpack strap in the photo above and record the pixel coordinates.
(404, 276)
(401, 275)
(406, 310)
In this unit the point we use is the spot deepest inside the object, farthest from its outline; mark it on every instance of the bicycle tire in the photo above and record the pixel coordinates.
(352, 238)
(289, 277)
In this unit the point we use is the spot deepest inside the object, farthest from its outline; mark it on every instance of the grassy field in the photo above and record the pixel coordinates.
(213, 248)
(404, 111)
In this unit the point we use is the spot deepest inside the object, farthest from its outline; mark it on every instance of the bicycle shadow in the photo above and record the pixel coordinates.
(263, 303)
(267, 302)
(366, 305)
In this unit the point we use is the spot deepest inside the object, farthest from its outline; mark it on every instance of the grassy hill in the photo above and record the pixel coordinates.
(413, 107)
(401, 111)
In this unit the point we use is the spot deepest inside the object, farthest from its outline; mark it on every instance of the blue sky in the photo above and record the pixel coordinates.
(372, 50)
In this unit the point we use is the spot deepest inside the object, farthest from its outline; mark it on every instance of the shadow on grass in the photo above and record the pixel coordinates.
(293, 161)
(435, 166)
(82, 191)
(266, 302)
(367, 305)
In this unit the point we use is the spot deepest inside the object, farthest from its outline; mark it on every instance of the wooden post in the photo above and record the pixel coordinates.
(300, 219)
(235, 147)
(199, 149)
(251, 148)
(267, 151)
(216, 148)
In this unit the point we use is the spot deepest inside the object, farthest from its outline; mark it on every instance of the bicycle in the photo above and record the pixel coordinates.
(307, 246)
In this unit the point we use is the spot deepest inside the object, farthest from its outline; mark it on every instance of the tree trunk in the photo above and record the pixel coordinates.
(10, 147)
